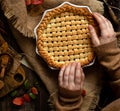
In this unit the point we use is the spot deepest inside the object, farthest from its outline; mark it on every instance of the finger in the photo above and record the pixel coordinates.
(109, 30)
(78, 74)
(111, 26)
(72, 74)
(82, 78)
(94, 37)
(66, 75)
(101, 21)
(106, 21)
(60, 77)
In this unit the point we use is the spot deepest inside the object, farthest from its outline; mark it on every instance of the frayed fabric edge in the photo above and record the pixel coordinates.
(95, 101)
(14, 20)
(51, 101)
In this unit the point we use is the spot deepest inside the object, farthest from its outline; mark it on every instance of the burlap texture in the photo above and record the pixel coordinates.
(22, 25)
(18, 15)
(113, 106)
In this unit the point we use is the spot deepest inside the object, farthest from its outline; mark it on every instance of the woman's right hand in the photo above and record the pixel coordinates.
(107, 33)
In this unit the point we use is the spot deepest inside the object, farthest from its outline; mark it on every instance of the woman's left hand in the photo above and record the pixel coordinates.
(71, 77)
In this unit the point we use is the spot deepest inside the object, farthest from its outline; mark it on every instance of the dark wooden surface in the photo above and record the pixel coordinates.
(40, 104)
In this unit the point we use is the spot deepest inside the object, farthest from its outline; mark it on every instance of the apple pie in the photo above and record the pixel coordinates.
(63, 36)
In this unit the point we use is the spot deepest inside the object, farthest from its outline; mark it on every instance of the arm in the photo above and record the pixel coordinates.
(107, 52)
(71, 79)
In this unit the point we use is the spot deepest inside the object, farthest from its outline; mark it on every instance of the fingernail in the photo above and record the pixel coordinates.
(95, 13)
(89, 26)
(79, 64)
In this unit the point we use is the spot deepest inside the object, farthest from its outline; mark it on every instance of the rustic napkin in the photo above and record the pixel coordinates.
(24, 19)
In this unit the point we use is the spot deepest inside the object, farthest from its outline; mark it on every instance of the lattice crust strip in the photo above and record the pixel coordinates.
(63, 36)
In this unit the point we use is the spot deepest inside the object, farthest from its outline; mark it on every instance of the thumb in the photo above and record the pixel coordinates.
(94, 37)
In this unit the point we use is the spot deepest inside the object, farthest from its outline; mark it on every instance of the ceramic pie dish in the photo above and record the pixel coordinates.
(62, 35)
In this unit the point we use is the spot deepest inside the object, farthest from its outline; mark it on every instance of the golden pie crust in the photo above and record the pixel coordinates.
(63, 36)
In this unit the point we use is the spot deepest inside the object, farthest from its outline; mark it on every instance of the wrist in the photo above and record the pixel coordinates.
(106, 51)
(107, 40)
(106, 47)
(68, 93)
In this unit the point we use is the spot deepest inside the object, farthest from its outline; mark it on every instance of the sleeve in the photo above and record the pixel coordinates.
(109, 57)
(68, 100)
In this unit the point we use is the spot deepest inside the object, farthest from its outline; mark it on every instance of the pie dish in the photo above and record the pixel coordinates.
(62, 36)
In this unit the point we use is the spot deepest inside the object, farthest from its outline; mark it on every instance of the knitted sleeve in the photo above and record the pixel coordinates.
(109, 57)
(68, 100)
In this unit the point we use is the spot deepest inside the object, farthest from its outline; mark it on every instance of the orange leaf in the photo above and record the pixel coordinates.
(36, 2)
(34, 90)
(18, 101)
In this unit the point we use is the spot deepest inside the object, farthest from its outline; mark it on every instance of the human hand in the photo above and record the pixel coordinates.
(107, 33)
(71, 77)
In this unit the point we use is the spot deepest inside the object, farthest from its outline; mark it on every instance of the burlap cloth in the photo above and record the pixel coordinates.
(22, 25)
(21, 18)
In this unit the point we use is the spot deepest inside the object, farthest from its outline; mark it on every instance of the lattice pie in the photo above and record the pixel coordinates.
(63, 36)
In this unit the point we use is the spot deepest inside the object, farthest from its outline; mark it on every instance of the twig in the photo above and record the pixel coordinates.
(115, 8)
(117, 33)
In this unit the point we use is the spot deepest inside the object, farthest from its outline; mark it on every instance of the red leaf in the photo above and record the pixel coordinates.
(83, 92)
(36, 2)
(26, 97)
(28, 2)
(34, 90)
(18, 101)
